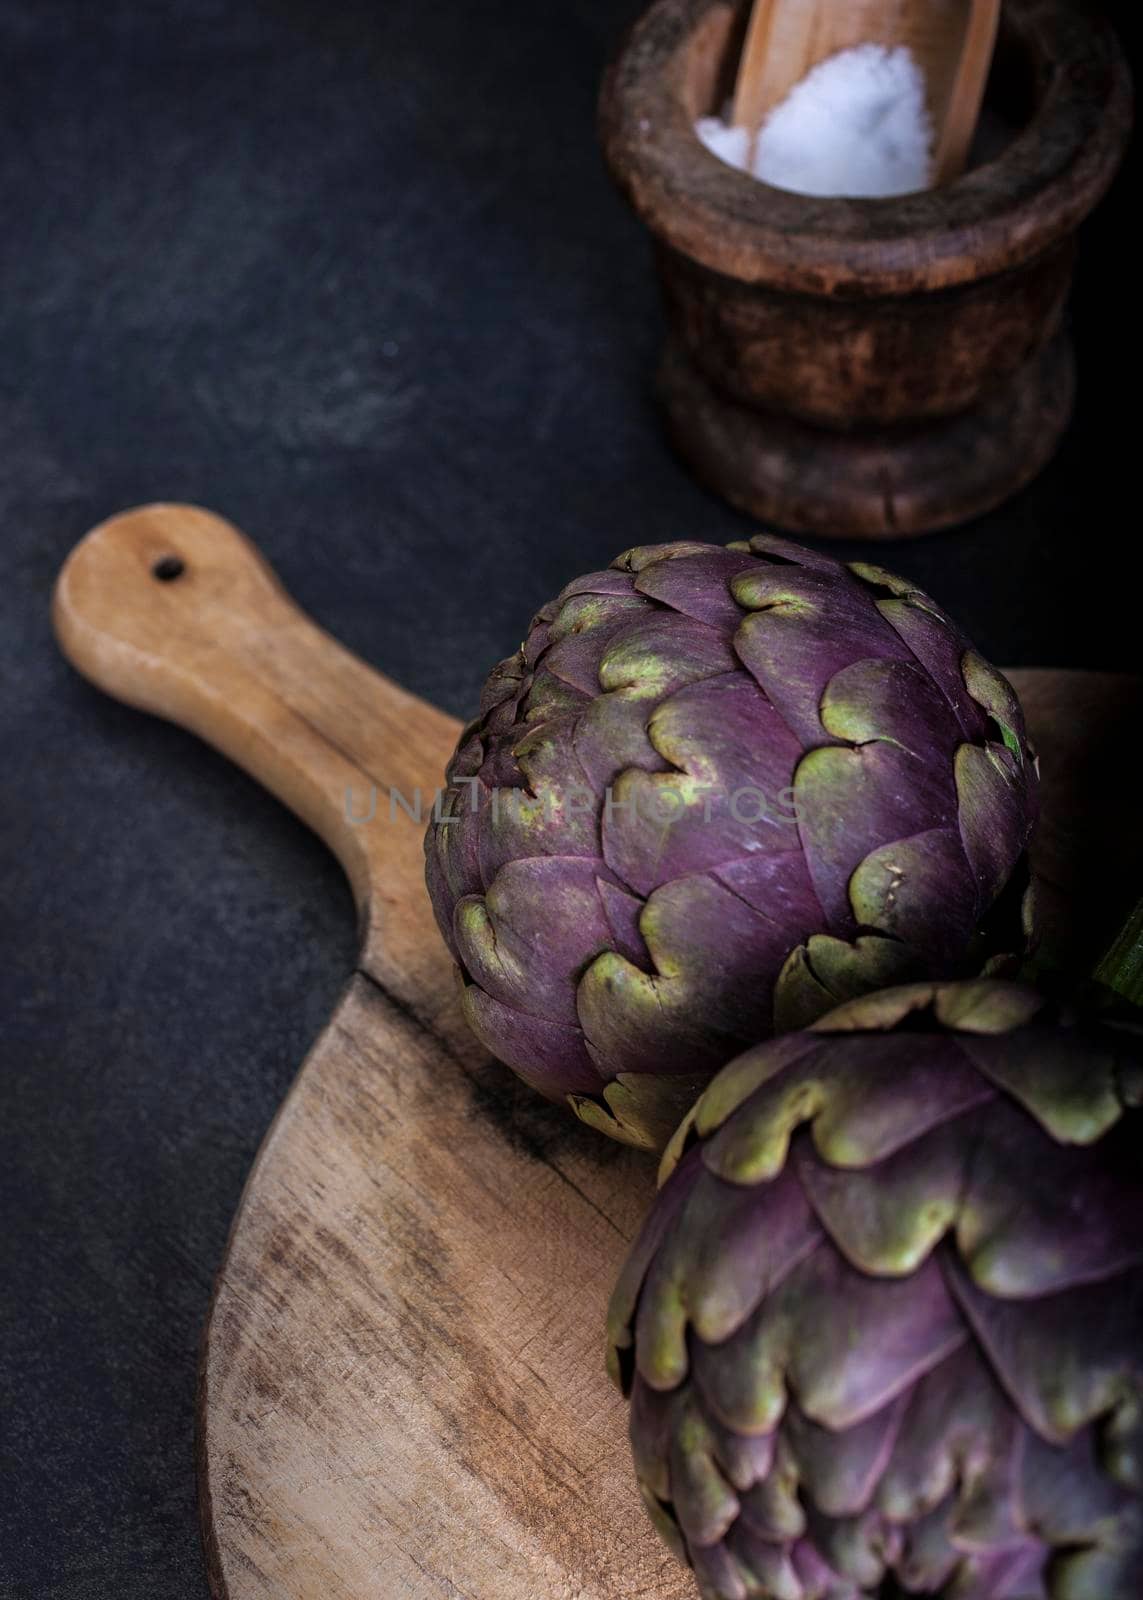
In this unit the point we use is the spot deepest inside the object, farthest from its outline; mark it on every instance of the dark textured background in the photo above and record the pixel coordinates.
(353, 275)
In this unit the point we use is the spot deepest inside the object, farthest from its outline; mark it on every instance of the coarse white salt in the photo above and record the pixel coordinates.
(728, 143)
(856, 126)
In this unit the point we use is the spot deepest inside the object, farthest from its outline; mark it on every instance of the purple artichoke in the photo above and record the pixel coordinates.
(714, 793)
(883, 1329)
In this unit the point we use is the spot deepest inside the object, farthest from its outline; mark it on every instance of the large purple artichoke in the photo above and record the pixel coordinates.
(883, 1329)
(714, 793)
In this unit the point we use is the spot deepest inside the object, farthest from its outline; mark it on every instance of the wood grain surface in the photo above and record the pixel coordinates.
(402, 1387)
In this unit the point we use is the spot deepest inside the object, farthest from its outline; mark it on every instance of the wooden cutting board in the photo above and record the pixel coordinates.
(402, 1390)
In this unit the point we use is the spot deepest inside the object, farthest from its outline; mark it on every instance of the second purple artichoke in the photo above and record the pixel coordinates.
(883, 1328)
(714, 793)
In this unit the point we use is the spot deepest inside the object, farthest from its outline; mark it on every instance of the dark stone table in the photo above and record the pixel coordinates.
(352, 274)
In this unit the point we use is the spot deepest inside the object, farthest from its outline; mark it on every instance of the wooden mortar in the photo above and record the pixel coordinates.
(874, 368)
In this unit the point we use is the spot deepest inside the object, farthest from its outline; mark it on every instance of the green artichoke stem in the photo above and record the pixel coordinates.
(1121, 969)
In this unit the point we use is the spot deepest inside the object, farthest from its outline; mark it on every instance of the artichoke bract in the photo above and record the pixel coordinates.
(883, 1329)
(717, 791)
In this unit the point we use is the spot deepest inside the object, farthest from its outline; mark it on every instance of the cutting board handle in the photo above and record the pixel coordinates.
(171, 609)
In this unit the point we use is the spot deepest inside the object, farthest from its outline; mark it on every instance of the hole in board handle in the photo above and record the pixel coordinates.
(168, 568)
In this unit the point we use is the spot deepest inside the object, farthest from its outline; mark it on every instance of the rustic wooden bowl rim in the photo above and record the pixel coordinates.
(998, 215)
